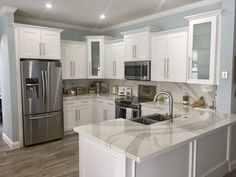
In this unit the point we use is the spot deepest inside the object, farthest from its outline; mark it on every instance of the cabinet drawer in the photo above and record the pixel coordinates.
(69, 103)
(110, 103)
(84, 102)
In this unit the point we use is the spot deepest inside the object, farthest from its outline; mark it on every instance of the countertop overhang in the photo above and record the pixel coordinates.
(140, 142)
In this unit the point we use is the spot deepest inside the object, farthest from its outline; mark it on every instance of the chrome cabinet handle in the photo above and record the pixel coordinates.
(133, 50)
(135, 53)
(189, 69)
(168, 67)
(115, 67)
(40, 49)
(74, 68)
(71, 69)
(77, 114)
(43, 48)
(164, 68)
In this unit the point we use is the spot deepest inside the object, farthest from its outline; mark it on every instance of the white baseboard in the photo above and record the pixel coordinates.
(8, 141)
(233, 164)
(220, 170)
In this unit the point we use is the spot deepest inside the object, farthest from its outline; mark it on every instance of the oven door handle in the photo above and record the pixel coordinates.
(121, 107)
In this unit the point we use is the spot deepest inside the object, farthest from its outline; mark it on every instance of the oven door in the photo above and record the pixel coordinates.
(138, 70)
(127, 112)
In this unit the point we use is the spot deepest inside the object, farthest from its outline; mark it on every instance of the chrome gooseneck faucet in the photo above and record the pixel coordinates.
(170, 102)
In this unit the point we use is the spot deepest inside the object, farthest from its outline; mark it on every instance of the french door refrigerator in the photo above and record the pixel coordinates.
(41, 100)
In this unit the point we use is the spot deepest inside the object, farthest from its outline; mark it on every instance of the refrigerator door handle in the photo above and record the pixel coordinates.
(43, 85)
(46, 89)
(43, 117)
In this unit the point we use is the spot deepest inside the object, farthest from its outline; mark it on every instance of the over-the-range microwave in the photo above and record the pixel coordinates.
(138, 70)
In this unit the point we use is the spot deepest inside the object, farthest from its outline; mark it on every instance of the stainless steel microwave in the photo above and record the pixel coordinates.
(138, 70)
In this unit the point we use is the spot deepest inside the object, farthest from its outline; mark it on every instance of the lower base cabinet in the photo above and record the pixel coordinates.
(86, 111)
(204, 156)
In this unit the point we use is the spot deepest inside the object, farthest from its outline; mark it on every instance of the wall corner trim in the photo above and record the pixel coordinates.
(12, 145)
(6, 9)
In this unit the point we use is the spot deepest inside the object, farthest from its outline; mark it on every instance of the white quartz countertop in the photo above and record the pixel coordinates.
(139, 142)
(87, 96)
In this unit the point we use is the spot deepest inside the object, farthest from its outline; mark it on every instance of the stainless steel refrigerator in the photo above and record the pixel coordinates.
(42, 100)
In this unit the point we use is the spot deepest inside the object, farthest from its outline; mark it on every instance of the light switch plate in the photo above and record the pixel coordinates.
(224, 75)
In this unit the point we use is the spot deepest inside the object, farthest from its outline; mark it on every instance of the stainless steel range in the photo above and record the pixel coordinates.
(42, 100)
(129, 107)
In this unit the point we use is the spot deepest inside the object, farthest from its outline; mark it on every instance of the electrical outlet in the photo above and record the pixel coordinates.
(224, 75)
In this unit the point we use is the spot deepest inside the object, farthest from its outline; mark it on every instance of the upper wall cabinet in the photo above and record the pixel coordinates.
(202, 51)
(38, 42)
(138, 44)
(96, 56)
(74, 60)
(169, 56)
(114, 61)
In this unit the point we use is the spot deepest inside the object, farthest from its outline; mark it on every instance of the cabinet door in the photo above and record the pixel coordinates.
(129, 48)
(141, 47)
(85, 115)
(177, 57)
(79, 61)
(120, 58)
(29, 43)
(159, 58)
(96, 59)
(109, 113)
(109, 63)
(70, 119)
(202, 50)
(51, 44)
(66, 61)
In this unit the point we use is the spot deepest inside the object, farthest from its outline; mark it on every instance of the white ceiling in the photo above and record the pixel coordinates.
(86, 12)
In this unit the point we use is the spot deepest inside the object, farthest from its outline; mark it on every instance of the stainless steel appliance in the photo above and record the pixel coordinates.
(128, 107)
(42, 100)
(138, 70)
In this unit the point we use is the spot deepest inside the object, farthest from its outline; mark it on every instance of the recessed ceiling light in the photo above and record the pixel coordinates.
(48, 5)
(102, 16)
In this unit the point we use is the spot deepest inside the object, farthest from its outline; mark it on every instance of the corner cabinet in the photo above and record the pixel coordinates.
(202, 51)
(138, 44)
(74, 60)
(114, 61)
(95, 45)
(38, 42)
(169, 61)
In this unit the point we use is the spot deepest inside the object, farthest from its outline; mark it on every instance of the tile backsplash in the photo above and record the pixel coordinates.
(177, 89)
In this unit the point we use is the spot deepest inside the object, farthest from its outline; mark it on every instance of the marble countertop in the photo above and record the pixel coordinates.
(139, 142)
(87, 96)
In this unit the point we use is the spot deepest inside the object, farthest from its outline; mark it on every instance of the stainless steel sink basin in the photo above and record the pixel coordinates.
(150, 119)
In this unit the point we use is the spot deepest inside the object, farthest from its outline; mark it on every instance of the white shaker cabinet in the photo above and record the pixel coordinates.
(105, 110)
(114, 61)
(137, 44)
(74, 60)
(69, 114)
(38, 42)
(169, 56)
(202, 51)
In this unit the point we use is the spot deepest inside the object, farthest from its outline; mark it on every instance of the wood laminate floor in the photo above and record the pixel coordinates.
(55, 159)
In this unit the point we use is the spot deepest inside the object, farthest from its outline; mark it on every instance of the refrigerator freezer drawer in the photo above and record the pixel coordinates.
(43, 128)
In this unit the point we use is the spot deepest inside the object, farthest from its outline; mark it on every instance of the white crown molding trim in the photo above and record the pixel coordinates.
(149, 29)
(204, 15)
(163, 14)
(51, 23)
(12, 145)
(6, 9)
(19, 25)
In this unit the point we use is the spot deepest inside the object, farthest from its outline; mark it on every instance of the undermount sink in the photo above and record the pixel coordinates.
(151, 119)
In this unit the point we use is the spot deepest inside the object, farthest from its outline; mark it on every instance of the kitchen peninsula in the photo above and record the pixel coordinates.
(184, 148)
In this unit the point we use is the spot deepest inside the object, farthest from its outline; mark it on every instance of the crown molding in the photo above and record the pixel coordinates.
(204, 15)
(20, 25)
(51, 23)
(163, 14)
(6, 9)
